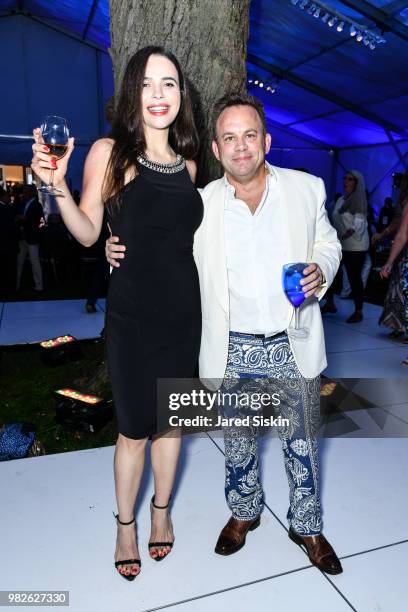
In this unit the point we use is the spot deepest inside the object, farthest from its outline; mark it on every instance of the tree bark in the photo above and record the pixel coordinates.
(209, 39)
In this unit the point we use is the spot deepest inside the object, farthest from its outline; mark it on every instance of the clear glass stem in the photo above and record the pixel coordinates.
(296, 318)
(51, 183)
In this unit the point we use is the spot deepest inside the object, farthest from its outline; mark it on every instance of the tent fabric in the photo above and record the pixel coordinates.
(71, 15)
(334, 100)
(283, 36)
(49, 73)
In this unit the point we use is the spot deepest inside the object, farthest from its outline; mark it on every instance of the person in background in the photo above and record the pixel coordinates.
(8, 245)
(350, 221)
(56, 246)
(346, 291)
(29, 218)
(341, 283)
(330, 206)
(16, 195)
(386, 215)
(393, 314)
(400, 247)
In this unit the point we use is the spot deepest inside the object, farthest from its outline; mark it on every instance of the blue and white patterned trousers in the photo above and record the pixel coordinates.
(268, 365)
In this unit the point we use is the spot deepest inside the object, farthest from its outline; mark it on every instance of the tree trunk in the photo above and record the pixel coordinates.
(209, 39)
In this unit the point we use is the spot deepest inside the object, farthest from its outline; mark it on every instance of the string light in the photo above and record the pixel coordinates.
(331, 17)
(269, 86)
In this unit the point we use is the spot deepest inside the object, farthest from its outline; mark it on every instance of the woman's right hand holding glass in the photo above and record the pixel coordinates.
(42, 162)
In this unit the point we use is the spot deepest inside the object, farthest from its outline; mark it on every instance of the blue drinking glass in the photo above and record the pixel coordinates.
(292, 274)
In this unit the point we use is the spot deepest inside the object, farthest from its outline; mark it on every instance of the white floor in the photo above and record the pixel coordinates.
(57, 530)
(29, 322)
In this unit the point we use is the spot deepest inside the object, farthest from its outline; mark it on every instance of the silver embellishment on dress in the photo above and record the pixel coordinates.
(171, 168)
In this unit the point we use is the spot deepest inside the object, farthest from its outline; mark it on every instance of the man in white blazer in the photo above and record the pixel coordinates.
(258, 217)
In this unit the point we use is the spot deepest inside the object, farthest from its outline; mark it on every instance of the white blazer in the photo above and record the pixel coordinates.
(312, 239)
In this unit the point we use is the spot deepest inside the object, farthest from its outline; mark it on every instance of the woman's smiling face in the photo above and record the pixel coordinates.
(161, 95)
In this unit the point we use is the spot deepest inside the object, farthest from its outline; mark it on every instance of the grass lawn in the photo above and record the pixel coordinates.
(26, 394)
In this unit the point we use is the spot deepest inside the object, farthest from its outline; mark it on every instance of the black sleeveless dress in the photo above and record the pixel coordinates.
(153, 315)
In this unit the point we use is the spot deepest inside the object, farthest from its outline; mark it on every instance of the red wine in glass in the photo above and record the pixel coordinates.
(292, 274)
(55, 134)
(56, 150)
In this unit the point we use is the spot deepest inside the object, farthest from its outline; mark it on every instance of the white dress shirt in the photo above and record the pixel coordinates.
(256, 249)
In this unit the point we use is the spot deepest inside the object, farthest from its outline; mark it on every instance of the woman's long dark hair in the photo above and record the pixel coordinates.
(127, 127)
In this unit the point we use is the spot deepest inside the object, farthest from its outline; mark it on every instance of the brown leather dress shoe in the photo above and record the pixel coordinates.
(232, 537)
(319, 551)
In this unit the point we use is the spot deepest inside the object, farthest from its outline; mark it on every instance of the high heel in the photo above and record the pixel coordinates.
(127, 561)
(156, 544)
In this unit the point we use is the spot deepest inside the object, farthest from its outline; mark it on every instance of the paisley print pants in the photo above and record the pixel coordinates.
(267, 365)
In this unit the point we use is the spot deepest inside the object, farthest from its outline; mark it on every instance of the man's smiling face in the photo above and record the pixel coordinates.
(241, 143)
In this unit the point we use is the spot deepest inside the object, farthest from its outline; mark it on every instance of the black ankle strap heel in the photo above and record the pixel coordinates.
(121, 522)
(127, 561)
(160, 507)
(157, 544)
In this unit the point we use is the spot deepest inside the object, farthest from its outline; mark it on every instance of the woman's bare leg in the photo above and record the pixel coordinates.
(165, 452)
(128, 469)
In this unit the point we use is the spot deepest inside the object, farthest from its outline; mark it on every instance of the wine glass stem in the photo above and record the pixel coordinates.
(296, 318)
(51, 179)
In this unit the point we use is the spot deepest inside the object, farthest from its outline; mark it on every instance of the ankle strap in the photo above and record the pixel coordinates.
(160, 507)
(117, 518)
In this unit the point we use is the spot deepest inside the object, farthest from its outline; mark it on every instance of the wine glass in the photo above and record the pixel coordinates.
(55, 134)
(292, 274)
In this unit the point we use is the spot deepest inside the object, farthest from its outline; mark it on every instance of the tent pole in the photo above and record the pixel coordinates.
(390, 170)
(90, 18)
(333, 174)
(395, 146)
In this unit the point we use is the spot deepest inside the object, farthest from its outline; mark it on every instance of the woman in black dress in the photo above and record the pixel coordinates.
(143, 175)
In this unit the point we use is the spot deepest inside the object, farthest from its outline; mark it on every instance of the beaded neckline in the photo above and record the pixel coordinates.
(176, 166)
